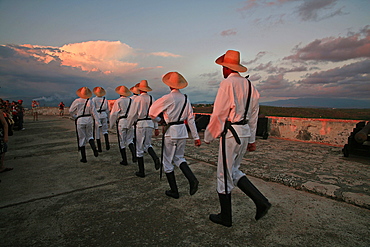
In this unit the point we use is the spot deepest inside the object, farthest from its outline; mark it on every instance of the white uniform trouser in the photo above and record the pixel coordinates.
(123, 134)
(130, 135)
(143, 140)
(103, 130)
(234, 155)
(85, 133)
(173, 151)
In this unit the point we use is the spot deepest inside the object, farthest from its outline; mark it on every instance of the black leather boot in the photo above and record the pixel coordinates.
(172, 182)
(141, 172)
(83, 154)
(99, 145)
(93, 147)
(262, 204)
(224, 218)
(157, 162)
(193, 181)
(107, 146)
(123, 155)
(132, 148)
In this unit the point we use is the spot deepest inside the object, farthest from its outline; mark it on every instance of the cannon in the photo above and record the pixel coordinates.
(358, 141)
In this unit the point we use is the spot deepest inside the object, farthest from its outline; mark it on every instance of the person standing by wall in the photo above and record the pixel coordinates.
(101, 105)
(235, 120)
(176, 108)
(123, 115)
(84, 112)
(35, 107)
(144, 128)
(61, 108)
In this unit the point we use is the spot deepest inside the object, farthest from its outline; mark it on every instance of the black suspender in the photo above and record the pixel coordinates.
(100, 110)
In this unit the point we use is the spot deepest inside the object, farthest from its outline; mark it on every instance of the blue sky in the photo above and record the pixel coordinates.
(292, 48)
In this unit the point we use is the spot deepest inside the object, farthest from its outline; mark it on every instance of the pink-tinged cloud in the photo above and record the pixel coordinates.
(335, 49)
(164, 54)
(250, 4)
(228, 32)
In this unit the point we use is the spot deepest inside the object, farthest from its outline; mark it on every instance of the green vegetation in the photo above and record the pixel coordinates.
(328, 113)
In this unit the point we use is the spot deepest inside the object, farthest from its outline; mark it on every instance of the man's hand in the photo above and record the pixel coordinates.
(251, 147)
(197, 142)
(156, 132)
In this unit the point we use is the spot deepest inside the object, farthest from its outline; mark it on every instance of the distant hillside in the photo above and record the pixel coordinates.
(353, 114)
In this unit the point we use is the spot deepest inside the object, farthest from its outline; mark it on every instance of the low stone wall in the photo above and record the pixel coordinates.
(324, 131)
(48, 111)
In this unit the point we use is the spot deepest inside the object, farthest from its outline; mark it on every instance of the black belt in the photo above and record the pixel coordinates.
(175, 123)
(100, 111)
(121, 118)
(86, 115)
(242, 122)
(147, 118)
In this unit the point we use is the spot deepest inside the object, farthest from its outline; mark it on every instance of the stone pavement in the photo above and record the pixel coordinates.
(51, 199)
(315, 168)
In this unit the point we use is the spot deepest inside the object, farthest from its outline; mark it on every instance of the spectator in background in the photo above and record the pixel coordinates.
(3, 142)
(35, 106)
(20, 111)
(61, 108)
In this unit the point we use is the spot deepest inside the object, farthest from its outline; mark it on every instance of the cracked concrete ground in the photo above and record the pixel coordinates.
(319, 197)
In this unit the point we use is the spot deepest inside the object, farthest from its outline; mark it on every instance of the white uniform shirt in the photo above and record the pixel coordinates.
(104, 108)
(77, 109)
(142, 102)
(119, 109)
(171, 105)
(230, 105)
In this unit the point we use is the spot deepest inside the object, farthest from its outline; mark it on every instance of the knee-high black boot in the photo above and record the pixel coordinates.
(157, 162)
(172, 182)
(225, 217)
(123, 155)
(99, 145)
(83, 154)
(107, 146)
(141, 172)
(93, 147)
(132, 148)
(193, 181)
(262, 204)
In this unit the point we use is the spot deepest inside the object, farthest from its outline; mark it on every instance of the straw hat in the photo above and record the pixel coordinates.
(99, 91)
(231, 60)
(134, 90)
(143, 86)
(174, 80)
(84, 93)
(123, 90)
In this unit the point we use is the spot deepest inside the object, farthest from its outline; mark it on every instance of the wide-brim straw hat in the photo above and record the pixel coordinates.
(84, 93)
(123, 90)
(143, 86)
(99, 91)
(231, 60)
(135, 90)
(174, 80)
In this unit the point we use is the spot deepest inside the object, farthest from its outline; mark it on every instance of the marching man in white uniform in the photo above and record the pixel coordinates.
(235, 120)
(176, 108)
(101, 105)
(144, 128)
(131, 132)
(84, 112)
(123, 116)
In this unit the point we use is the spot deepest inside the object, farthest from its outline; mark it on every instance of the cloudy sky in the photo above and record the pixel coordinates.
(292, 48)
